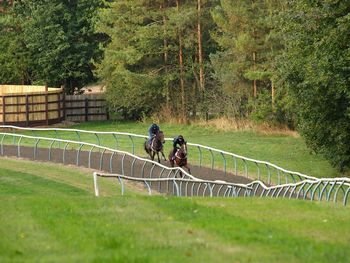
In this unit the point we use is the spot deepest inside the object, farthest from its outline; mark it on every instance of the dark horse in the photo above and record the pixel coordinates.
(180, 158)
(155, 145)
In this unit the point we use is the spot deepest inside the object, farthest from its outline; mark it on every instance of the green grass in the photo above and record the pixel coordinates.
(48, 213)
(285, 151)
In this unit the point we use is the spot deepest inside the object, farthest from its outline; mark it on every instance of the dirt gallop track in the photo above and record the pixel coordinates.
(115, 163)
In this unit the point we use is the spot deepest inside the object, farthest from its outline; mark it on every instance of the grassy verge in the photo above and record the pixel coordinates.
(49, 213)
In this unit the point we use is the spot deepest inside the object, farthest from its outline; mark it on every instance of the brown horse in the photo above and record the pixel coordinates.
(180, 158)
(155, 145)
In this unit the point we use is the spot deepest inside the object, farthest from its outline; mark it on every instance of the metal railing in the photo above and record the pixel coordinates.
(200, 155)
(181, 186)
(85, 154)
(323, 189)
(125, 165)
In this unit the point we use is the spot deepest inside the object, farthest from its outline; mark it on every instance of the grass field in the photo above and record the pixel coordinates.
(48, 213)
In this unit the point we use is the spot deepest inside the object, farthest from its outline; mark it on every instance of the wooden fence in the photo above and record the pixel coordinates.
(30, 105)
(40, 105)
(86, 107)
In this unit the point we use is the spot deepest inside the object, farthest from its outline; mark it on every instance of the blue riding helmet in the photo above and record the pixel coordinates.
(153, 130)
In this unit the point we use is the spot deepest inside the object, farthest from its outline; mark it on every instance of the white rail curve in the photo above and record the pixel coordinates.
(327, 189)
(274, 174)
(297, 185)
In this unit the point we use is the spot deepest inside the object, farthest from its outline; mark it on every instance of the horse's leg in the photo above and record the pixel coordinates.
(188, 168)
(152, 153)
(158, 157)
(163, 155)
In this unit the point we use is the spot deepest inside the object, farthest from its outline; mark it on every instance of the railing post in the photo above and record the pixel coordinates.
(95, 184)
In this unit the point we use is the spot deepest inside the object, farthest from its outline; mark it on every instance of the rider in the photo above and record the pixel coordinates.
(152, 131)
(179, 140)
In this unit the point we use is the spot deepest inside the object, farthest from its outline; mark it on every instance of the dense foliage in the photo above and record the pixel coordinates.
(284, 62)
(49, 42)
(315, 69)
(152, 59)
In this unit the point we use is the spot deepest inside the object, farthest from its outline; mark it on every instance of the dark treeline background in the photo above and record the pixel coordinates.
(281, 62)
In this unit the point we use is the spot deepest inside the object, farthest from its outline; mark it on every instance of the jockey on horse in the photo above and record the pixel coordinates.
(152, 131)
(178, 155)
(155, 142)
(179, 140)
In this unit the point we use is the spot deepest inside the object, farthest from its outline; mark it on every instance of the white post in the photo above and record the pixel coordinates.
(95, 184)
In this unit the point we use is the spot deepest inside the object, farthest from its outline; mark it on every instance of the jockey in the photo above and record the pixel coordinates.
(152, 131)
(179, 140)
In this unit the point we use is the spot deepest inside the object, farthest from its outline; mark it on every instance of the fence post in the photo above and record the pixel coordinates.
(27, 110)
(59, 107)
(86, 109)
(63, 102)
(107, 111)
(46, 105)
(3, 110)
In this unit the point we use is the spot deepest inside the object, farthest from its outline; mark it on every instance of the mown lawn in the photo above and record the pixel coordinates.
(48, 213)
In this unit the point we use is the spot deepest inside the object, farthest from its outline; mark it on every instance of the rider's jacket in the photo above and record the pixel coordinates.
(153, 130)
(179, 140)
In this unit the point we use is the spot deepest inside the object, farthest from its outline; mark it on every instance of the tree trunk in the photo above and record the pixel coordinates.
(273, 90)
(165, 55)
(200, 55)
(254, 55)
(182, 80)
(200, 48)
(254, 81)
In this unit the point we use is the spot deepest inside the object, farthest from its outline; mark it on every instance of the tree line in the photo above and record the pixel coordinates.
(284, 62)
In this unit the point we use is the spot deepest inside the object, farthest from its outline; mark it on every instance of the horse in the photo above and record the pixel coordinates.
(180, 158)
(155, 145)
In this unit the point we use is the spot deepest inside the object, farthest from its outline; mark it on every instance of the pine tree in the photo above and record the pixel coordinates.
(244, 66)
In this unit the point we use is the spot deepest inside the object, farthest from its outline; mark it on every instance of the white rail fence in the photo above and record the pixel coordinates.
(156, 176)
(200, 155)
(130, 166)
(326, 189)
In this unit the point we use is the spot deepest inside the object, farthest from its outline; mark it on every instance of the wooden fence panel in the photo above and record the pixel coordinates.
(32, 108)
(86, 107)
(40, 105)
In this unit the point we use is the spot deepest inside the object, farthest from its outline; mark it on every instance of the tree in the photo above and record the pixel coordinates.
(14, 55)
(244, 65)
(164, 66)
(133, 56)
(315, 69)
(49, 42)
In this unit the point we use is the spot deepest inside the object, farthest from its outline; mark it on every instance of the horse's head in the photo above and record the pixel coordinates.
(160, 136)
(184, 148)
(182, 152)
(157, 142)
